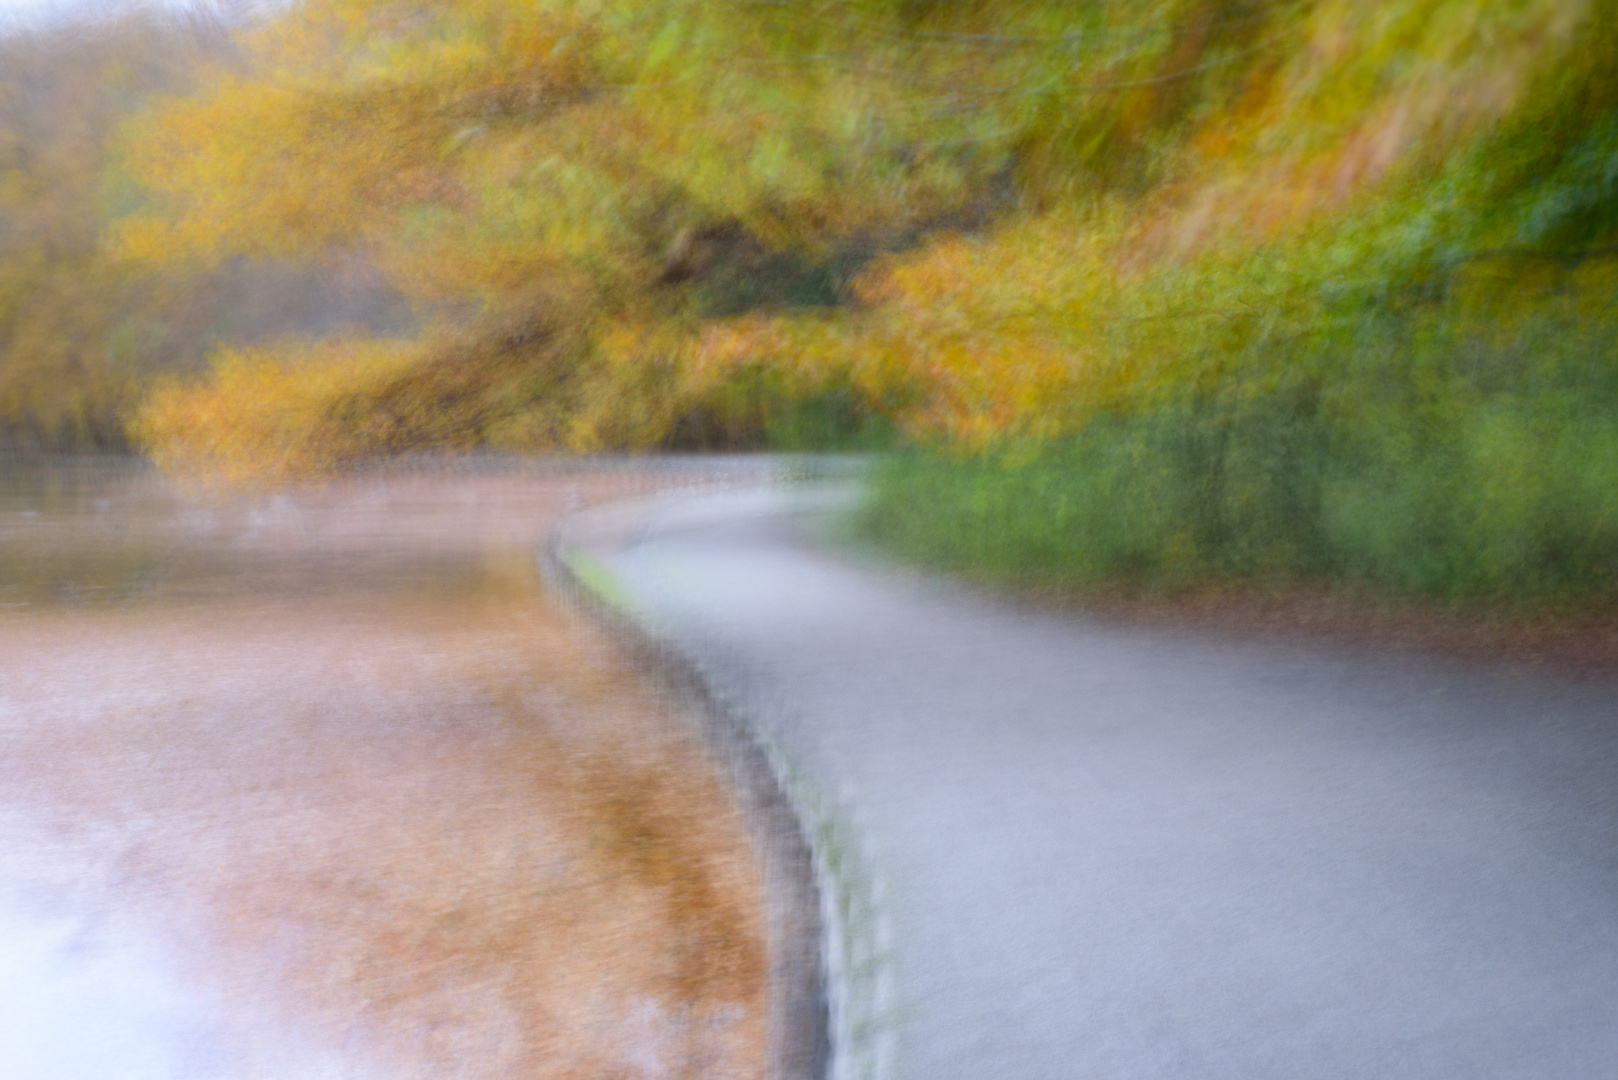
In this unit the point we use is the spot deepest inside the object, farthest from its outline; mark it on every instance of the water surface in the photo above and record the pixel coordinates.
(310, 784)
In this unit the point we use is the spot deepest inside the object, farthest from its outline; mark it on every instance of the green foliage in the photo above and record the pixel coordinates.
(1402, 376)
(1405, 451)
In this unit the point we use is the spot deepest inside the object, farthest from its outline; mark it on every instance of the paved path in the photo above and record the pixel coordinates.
(1080, 850)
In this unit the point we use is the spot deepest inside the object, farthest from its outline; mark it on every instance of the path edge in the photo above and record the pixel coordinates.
(800, 1027)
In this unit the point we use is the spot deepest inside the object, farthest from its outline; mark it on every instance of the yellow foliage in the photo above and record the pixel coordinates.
(78, 335)
(262, 418)
(1044, 211)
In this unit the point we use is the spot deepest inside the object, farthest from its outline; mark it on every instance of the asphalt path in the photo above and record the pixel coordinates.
(1064, 848)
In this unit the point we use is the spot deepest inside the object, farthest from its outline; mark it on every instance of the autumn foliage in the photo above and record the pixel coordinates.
(84, 332)
(1229, 239)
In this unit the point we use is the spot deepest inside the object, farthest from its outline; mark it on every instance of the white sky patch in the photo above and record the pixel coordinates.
(37, 12)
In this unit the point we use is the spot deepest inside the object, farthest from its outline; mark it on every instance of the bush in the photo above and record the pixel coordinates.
(1428, 465)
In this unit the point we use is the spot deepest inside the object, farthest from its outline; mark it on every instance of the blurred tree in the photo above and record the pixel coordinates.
(552, 176)
(83, 334)
(1276, 253)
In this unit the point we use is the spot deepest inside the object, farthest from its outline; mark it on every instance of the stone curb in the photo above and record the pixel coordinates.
(799, 1024)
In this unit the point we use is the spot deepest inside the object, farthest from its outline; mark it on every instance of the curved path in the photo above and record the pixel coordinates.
(1065, 849)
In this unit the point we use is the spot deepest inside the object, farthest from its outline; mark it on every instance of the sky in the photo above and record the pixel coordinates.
(29, 11)
(38, 7)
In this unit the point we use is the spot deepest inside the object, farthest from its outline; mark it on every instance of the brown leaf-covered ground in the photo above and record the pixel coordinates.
(425, 823)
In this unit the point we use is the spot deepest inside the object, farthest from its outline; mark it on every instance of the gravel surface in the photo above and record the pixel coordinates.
(1065, 848)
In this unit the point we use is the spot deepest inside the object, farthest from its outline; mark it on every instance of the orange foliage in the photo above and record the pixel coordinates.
(1036, 225)
(259, 419)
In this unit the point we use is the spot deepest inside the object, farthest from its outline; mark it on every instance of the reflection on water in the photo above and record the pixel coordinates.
(115, 532)
(77, 1003)
(75, 1000)
(75, 1006)
(281, 767)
